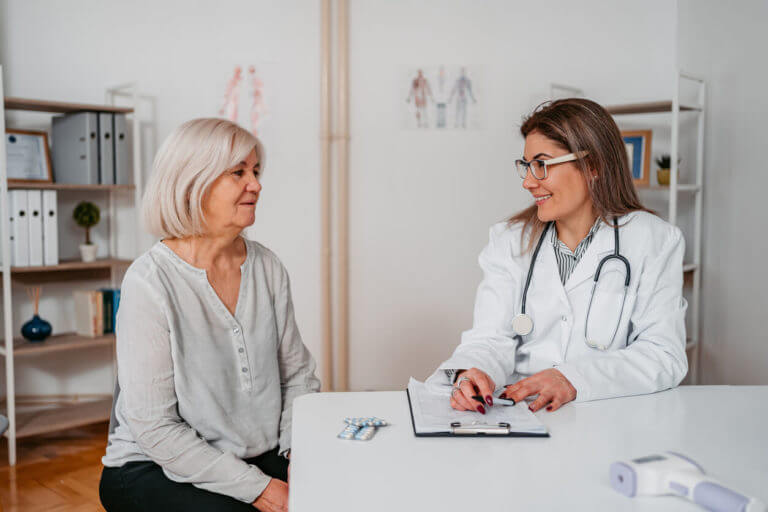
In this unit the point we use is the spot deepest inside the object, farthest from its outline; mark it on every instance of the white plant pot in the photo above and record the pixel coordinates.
(88, 252)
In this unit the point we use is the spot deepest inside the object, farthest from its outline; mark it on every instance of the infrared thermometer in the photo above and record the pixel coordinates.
(670, 473)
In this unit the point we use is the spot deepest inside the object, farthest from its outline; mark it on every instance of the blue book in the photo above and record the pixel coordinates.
(111, 299)
(115, 305)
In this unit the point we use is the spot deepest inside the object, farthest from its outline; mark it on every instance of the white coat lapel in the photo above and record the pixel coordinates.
(549, 277)
(601, 246)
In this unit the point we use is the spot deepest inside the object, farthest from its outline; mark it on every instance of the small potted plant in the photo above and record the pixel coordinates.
(86, 216)
(665, 163)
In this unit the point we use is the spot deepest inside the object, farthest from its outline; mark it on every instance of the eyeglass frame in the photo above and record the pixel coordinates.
(570, 157)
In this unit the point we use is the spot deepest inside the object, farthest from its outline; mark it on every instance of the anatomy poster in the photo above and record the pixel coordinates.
(245, 98)
(441, 98)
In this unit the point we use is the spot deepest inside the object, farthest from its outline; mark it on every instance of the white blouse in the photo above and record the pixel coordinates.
(201, 389)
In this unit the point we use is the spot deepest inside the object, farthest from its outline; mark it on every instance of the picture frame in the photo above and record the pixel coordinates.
(28, 157)
(638, 145)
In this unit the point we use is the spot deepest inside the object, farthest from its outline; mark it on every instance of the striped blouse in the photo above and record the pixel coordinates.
(567, 259)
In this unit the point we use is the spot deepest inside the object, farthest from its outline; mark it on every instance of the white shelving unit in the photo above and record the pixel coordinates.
(71, 412)
(675, 109)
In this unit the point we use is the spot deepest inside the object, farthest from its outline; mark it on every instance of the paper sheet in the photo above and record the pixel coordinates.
(432, 412)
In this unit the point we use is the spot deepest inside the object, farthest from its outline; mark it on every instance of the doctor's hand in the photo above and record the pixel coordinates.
(471, 383)
(551, 386)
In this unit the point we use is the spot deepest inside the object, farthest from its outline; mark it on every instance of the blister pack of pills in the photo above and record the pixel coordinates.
(366, 422)
(361, 429)
(365, 433)
(348, 432)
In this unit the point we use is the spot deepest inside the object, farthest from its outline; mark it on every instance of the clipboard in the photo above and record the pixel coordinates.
(474, 429)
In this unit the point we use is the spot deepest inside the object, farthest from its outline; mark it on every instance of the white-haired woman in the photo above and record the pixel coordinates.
(209, 356)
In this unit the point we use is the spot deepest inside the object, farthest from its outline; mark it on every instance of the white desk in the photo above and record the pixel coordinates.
(724, 428)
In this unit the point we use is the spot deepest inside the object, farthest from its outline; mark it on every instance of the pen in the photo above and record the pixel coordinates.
(499, 400)
(504, 401)
(482, 403)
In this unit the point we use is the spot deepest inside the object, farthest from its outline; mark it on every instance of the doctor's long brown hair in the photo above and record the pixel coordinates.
(579, 124)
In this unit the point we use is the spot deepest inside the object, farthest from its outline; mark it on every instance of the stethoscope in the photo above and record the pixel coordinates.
(523, 323)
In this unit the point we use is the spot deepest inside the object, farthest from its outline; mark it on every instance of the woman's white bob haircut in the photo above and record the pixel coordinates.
(188, 163)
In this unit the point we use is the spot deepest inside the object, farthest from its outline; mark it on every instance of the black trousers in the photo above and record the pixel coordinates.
(142, 486)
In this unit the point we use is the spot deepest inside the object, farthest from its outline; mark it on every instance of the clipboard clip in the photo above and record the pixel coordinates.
(476, 429)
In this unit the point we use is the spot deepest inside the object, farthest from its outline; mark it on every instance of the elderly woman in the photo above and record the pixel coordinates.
(209, 356)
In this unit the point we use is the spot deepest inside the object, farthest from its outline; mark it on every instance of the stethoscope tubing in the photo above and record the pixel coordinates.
(616, 255)
(533, 262)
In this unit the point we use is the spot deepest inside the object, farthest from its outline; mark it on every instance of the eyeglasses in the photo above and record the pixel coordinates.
(539, 167)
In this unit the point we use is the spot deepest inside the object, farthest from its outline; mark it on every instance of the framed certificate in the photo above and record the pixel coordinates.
(28, 157)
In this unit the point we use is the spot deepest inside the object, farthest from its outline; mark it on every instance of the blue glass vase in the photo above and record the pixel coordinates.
(36, 329)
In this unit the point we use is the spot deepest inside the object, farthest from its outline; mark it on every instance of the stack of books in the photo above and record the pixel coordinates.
(96, 311)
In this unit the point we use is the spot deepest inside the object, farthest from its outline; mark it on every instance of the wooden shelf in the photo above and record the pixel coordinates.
(59, 343)
(72, 265)
(685, 187)
(690, 344)
(42, 421)
(651, 107)
(690, 267)
(60, 107)
(68, 186)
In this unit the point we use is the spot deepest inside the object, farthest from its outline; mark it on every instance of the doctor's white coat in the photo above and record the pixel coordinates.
(648, 352)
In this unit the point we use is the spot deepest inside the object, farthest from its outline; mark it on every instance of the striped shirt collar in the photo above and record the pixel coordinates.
(567, 259)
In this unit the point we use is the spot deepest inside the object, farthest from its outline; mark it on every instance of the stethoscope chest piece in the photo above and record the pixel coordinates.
(522, 324)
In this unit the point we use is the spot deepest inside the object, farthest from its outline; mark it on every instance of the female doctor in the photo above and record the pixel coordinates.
(581, 297)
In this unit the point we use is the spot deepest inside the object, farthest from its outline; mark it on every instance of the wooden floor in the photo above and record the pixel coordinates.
(55, 472)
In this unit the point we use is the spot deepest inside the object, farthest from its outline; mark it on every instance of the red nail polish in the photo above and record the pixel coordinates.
(489, 400)
(530, 408)
(549, 408)
(481, 409)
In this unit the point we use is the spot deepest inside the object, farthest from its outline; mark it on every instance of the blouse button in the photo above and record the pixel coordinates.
(241, 350)
(245, 370)
(236, 330)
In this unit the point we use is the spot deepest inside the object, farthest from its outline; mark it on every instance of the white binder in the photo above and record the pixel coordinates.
(35, 213)
(17, 200)
(106, 149)
(50, 228)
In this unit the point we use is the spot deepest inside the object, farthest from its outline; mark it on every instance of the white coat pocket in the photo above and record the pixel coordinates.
(607, 325)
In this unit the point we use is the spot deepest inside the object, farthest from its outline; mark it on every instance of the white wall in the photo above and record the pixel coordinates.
(725, 43)
(422, 201)
(182, 53)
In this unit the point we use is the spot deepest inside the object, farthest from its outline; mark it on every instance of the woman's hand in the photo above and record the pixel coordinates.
(551, 386)
(471, 383)
(274, 498)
